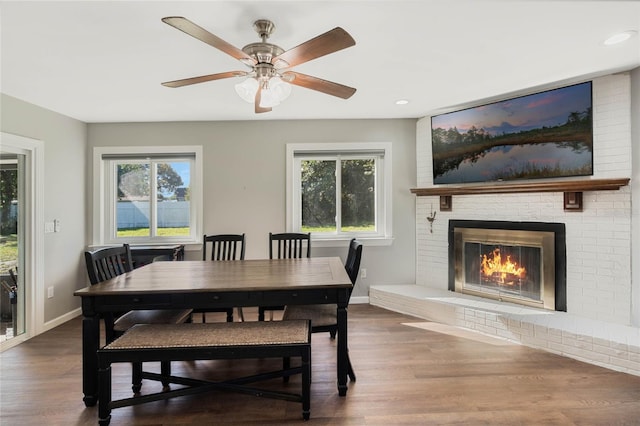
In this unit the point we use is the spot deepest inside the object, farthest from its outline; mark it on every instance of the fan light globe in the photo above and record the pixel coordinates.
(277, 92)
(280, 87)
(247, 89)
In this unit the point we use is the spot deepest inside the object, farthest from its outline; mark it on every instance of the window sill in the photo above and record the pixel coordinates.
(341, 242)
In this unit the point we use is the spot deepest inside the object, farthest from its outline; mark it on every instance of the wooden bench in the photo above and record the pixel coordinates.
(196, 341)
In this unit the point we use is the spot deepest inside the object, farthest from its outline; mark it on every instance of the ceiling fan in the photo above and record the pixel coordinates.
(266, 83)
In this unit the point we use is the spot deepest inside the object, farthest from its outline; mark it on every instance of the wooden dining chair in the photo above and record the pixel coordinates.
(223, 247)
(12, 291)
(286, 245)
(107, 263)
(324, 317)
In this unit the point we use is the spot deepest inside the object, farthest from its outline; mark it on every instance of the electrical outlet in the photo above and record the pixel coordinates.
(363, 273)
(50, 292)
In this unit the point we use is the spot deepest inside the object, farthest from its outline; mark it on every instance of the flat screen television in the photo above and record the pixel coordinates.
(543, 135)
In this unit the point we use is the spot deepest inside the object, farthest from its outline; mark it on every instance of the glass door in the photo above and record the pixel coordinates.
(12, 242)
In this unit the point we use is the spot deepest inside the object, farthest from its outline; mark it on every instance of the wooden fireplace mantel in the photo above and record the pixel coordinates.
(572, 190)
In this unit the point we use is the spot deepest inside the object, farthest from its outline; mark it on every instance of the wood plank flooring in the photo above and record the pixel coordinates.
(405, 376)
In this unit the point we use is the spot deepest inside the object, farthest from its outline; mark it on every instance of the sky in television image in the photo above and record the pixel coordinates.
(548, 109)
(547, 134)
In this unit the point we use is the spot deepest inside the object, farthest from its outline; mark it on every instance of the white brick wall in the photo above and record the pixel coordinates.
(598, 239)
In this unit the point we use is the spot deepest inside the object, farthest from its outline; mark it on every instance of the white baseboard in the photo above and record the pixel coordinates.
(7, 344)
(61, 319)
(359, 300)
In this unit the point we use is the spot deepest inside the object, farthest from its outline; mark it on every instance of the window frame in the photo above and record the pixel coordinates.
(296, 152)
(104, 191)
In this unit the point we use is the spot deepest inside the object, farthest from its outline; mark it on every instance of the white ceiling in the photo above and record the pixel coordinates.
(103, 61)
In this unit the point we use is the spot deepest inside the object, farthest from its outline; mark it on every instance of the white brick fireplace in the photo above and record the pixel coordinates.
(597, 325)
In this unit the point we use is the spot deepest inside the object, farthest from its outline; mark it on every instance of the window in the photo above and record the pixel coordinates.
(148, 195)
(338, 191)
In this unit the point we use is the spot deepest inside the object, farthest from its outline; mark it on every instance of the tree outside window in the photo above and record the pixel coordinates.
(338, 191)
(8, 219)
(341, 201)
(152, 198)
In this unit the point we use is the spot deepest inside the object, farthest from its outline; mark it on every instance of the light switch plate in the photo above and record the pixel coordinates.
(49, 227)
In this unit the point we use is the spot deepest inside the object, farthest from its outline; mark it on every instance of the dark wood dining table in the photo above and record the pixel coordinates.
(201, 284)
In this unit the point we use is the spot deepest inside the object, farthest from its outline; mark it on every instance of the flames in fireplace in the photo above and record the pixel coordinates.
(501, 271)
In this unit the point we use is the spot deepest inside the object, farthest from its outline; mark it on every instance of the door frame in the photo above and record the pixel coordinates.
(34, 234)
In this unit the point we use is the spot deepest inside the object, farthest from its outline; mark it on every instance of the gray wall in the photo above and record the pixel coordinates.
(244, 179)
(64, 196)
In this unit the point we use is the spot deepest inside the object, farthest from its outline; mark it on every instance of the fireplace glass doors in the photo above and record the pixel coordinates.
(502, 269)
(511, 265)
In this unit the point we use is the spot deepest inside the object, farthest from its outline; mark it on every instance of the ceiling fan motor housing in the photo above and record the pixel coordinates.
(264, 72)
(263, 53)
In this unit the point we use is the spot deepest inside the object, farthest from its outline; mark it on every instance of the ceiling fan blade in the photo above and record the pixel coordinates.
(315, 83)
(204, 78)
(329, 42)
(260, 109)
(188, 27)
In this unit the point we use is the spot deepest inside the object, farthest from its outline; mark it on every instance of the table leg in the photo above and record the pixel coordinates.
(90, 344)
(342, 355)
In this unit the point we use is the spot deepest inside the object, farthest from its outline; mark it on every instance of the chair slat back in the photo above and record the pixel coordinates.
(224, 247)
(289, 245)
(14, 276)
(352, 264)
(106, 263)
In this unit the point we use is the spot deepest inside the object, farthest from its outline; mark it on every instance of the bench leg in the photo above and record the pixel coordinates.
(306, 382)
(165, 371)
(104, 392)
(286, 364)
(136, 376)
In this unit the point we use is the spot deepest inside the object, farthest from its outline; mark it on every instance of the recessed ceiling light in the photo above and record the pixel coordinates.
(402, 102)
(620, 37)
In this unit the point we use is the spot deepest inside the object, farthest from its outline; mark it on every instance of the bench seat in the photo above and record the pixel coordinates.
(196, 341)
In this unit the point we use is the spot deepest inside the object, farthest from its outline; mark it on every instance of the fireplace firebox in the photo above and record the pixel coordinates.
(518, 262)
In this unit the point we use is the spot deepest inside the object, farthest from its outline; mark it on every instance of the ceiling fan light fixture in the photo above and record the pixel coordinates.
(247, 89)
(276, 92)
(268, 99)
(279, 88)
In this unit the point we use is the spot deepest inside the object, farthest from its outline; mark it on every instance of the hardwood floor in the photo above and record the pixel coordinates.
(406, 375)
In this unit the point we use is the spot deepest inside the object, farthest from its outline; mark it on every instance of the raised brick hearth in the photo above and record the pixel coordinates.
(597, 342)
